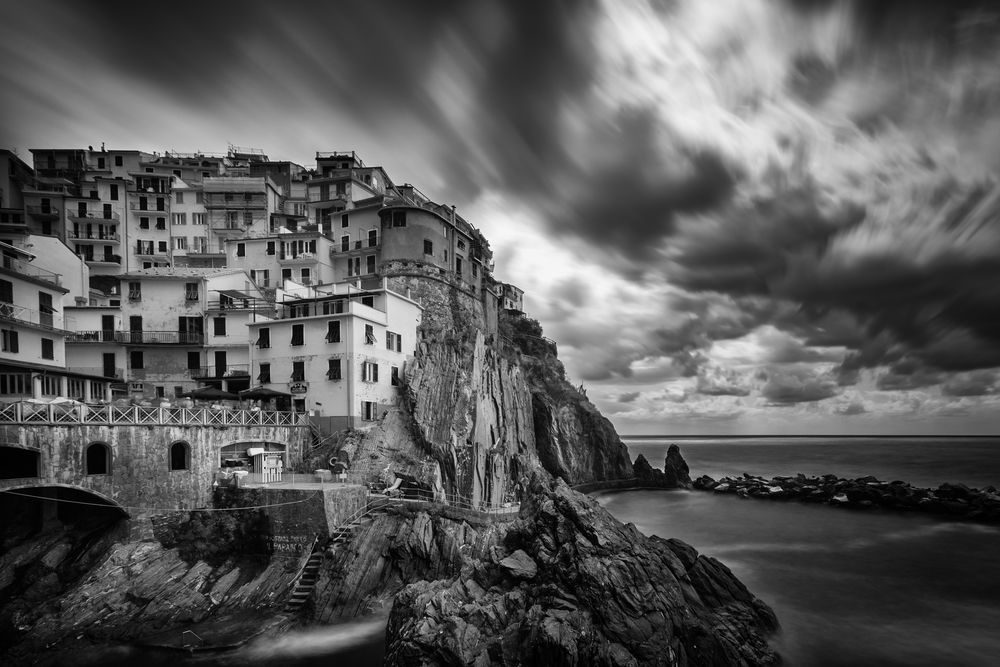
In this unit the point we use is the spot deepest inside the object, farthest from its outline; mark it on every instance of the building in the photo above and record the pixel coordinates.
(15, 174)
(339, 350)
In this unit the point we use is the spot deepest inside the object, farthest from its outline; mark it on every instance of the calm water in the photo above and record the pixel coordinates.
(849, 587)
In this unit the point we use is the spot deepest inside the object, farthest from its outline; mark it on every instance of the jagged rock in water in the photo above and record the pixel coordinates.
(602, 594)
(676, 468)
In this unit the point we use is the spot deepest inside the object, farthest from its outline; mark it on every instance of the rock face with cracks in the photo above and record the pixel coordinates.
(572, 585)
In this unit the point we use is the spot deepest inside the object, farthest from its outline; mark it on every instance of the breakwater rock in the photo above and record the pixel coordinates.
(675, 473)
(953, 500)
(569, 584)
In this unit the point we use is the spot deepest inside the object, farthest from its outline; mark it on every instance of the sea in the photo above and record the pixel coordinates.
(850, 587)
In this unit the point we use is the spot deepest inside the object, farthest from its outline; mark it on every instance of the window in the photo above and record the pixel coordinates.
(458, 266)
(8, 340)
(265, 373)
(179, 196)
(161, 204)
(264, 338)
(370, 264)
(162, 247)
(180, 243)
(333, 307)
(135, 291)
(143, 203)
(306, 276)
(197, 218)
(393, 341)
(118, 161)
(428, 247)
(190, 291)
(241, 249)
(461, 244)
(298, 371)
(270, 247)
(344, 220)
(369, 334)
(297, 334)
(180, 456)
(48, 349)
(369, 371)
(6, 291)
(199, 196)
(135, 359)
(399, 218)
(98, 459)
(194, 361)
(369, 410)
(161, 223)
(178, 218)
(260, 277)
(475, 270)
(345, 243)
(368, 301)
(333, 369)
(143, 222)
(333, 331)
(160, 390)
(114, 192)
(247, 218)
(220, 326)
(354, 266)
(372, 238)
(394, 376)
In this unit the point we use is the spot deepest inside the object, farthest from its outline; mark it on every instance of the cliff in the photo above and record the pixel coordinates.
(572, 585)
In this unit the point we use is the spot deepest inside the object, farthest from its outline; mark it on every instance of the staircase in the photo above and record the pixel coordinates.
(307, 581)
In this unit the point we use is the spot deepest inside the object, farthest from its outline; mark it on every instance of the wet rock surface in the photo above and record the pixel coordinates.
(569, 584)
(950, 500)
(675, 474)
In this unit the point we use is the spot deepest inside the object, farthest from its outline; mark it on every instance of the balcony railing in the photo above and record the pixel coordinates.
(159, 337)
(43, 211)
(92, 216)
(229, 370)
(298, 257)
(361, 244)
(26, 269)
(37, 318)
(92, 336)
(30, 413)
(98, 237)
(102, 259)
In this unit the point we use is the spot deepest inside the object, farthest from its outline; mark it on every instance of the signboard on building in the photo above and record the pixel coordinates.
(135, 387)
(298, 388)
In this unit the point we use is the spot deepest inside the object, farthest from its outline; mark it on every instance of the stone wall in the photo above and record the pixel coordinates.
(450, 305)
(139, 478)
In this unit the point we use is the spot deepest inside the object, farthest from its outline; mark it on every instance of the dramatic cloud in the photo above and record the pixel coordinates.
(757, 203)
(629, 397)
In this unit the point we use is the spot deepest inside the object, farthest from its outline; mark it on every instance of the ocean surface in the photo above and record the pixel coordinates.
(850, 587)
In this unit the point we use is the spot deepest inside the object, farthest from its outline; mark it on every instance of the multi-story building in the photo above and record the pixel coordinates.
(149, 221)
(15, 174)
(338, 350)
(165, 342)
(33, 337)
(240, 206)
(302, 256)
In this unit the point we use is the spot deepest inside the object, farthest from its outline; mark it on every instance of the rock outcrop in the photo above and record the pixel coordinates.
(673, 476)
(952, 500)
(572, 585)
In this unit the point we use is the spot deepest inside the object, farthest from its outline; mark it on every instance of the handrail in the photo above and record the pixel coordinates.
(46, 414)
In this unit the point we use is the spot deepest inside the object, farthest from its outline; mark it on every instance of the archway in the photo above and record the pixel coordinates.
(97, 459)
(180, 456)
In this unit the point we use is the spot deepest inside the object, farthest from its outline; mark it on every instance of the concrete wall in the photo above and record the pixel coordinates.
(140, 478)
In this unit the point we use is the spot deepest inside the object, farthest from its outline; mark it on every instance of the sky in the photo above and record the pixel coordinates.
(734, 217)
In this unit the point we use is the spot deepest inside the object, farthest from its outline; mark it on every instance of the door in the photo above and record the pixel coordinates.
(107, 211)
(135, 328)
(45, 309)
(81, 209)
(109, 365)
(108, 330)
(220, 364)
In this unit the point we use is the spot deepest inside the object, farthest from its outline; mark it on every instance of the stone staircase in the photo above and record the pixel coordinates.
(306, 582)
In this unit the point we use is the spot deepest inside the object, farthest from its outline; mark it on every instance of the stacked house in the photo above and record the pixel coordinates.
(145, 276)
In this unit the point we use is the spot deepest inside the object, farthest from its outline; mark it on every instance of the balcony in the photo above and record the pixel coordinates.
(119, 373)
(34, 318)
(108, 238)
(159, 337)
(368, 243)
(227, 371)
(91, 218)
(26, 269)
(150, 206)
(91, 336)
(297, 258)
(227, 227)
(43, 212)
(12, 220)
(102, 260)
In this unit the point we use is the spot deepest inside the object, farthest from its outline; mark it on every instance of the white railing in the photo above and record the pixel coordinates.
(32, 413)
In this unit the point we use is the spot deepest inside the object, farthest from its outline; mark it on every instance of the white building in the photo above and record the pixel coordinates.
(338, 350)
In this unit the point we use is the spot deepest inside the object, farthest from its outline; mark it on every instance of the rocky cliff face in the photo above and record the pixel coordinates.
(572, 585)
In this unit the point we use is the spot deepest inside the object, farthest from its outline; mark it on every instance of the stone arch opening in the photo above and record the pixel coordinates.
(180, 456)
(97, 459)
(17, 462)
